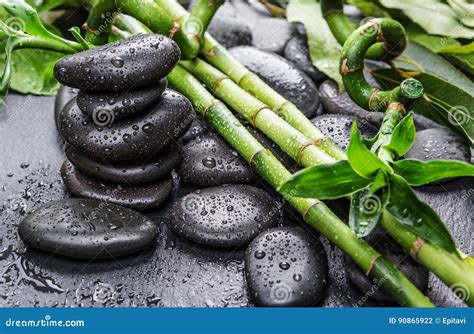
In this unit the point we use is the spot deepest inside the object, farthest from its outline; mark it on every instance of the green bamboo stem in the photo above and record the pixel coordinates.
(258, 114)
(314, 212)
(342, 28)
(99, 21)
(246, 106)
(217, 55)
(199, 19)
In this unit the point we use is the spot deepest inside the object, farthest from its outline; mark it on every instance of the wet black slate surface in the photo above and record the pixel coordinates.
(173, 272)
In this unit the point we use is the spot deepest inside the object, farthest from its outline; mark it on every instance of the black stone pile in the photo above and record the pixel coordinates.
(122, 127)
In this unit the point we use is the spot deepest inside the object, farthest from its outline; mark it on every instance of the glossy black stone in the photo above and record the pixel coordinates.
(296, 51)
(154, 168)
(198, 127)
(272, 34)
(119, 104)
(336, 102)
(210, 161)
(281, 75)
(286, 266)
(138, 61)
(230, 31)
(89, 229)
(225, 216)
(338, 127)
(439, 144)
(135, 138)
(64, 95)
(140, 197)
(382, 242)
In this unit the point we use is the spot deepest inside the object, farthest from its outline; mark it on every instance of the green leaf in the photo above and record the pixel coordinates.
(433, 43)
(418, 217)
(449, 94)
(362, 160)
(327, 181)
(323, 47)
(366, 210)
(32, 71)
(403, 136)
(435, 17)
(369, 8)
(465, 61)
(464, 11)
(417, 172)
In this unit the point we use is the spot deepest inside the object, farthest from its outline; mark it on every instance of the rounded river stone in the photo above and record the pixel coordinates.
(88, 229)
(282, 75)
(138, 61)
(439, 144)
(64, 95)
(198, 127)
(296, 51)
(131, 138)
(385, 245)
(286, 266)
(230, 31)
(338, 127)
(119, 104)
(225, 216)
(210, 161)
(155, 168)
(140, 197)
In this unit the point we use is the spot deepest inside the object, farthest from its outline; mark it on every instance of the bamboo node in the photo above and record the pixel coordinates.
(344, 67)
(253, 117)
(416, 246)
(372, 264)
(213, 104)
(299, 155)
(217, 82)
(252, 161)
(312, 204)
(176, 27)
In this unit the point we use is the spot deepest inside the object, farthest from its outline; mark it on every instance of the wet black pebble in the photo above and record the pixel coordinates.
(198, 127)
(138, 61)
(296, 51)
(286, 266)
(83, 228)
(64, 95)
(120, 104)
(225, 216)
(154, 168)
(210, 161)
(338, 127)
(140, 197)
(282, 75)
(272, 34)
(230, 31)
(439, 144)
(135, 138)
(372, 288)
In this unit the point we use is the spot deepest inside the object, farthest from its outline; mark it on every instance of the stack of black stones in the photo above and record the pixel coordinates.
(122, 127)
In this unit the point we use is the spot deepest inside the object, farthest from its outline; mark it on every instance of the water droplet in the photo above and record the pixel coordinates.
(284, 265)
(259, 254)
(148, 127)
(297, 277)
(117, 62)
(209, 162)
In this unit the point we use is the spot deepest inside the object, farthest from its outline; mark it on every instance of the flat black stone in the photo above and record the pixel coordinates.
(338, 127)
(286, 266)
(225, 216)
(230, 31)
(152, 169)
(134, 138)
(87, 229)
(282, 75)
(210, 161)
(198, 127)
(138, 61)
(439, 144)
(64, 95)
(296, 51)
(140, 197)
(103, 105)
(384, 244)
(336, 102)
(272, 34)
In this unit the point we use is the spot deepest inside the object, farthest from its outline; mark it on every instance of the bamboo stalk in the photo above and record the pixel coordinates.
(217, 55)
(314, 212)
(247, 106)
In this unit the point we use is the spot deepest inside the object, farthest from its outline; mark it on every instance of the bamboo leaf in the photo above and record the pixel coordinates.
(366, 210)
(417, 172)
(418, 217)
(327, 181)
(362, 160)
(433, 16)
(323, 47)
(403, 136)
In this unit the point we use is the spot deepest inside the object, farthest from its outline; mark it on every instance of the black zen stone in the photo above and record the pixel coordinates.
(296, 51)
